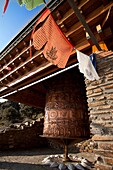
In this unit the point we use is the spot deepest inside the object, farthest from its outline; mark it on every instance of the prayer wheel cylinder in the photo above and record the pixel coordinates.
(66, 114)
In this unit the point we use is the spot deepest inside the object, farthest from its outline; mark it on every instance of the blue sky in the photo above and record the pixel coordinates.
(14, 20)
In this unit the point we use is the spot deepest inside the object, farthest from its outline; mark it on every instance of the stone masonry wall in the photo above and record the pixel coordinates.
(25, 138)
(100, 103)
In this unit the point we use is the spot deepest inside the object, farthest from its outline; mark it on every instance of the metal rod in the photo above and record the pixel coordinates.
(40, 80)
(66, 158)
(82, 20)
(65, 152)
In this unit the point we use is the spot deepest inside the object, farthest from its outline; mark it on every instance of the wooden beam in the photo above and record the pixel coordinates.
(29, 98)
(19, 67)
(95, 14)
(82, 20)
(71, 12)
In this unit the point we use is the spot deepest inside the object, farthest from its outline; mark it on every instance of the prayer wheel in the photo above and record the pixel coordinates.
(66, 111)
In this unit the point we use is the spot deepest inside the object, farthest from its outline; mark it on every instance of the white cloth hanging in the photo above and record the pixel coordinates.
(86, 67)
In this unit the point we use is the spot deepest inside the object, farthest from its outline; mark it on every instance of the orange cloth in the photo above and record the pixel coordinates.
(39, 37)
(57, 48)
(102, 45)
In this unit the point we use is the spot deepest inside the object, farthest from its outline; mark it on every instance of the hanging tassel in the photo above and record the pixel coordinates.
(5, 6)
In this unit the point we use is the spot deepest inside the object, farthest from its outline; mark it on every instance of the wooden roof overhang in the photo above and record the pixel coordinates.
(15, 84)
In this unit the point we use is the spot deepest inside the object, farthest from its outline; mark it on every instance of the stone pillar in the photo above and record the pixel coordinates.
(100, 103)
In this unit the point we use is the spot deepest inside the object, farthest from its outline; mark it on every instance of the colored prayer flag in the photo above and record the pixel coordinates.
(5, 6)
(56, 47)
(30, 4)
(86, 67)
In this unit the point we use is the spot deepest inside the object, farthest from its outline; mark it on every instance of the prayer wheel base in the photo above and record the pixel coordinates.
(65, 142)
(67, 159)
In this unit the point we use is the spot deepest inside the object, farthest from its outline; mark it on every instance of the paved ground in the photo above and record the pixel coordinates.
(30, 159)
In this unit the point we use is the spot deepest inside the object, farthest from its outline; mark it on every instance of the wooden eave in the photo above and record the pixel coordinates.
(26, 69)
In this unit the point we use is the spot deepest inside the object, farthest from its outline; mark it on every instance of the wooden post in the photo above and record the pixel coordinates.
(82, 20)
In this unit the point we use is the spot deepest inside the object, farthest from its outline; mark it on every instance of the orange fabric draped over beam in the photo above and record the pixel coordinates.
(57, 49)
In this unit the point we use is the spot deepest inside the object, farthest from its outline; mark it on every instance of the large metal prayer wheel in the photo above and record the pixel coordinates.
(66, 114)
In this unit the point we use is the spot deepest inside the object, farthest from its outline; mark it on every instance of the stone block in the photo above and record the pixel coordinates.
(95, 94)
(105, 153)
(94, 104)
(105, 107)
(109, 97)
(107, 117)
(102, 138)
(99, 112)
(108, 161)
(91, 88)
(106, 146)
(108, 87)
(103, 167)
(89, 92)
(100, 98)
(97, 90)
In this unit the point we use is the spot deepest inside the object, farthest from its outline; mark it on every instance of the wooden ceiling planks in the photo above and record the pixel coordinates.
(26, 69)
